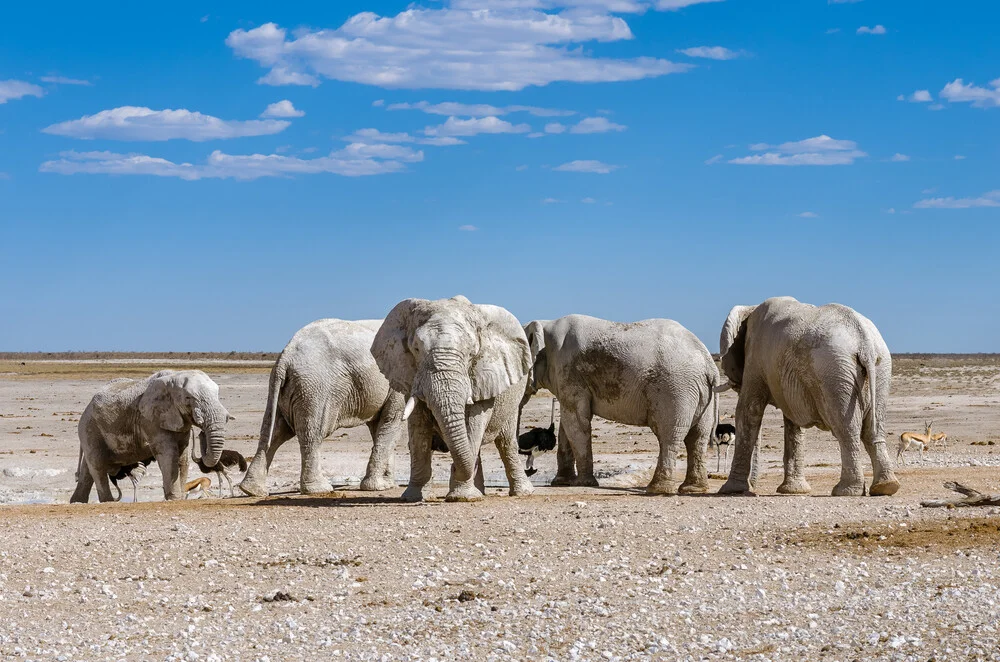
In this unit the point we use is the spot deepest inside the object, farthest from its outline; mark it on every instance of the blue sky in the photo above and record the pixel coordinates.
(213, 176)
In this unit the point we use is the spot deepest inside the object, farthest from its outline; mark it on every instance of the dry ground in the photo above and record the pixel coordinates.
(565, 574)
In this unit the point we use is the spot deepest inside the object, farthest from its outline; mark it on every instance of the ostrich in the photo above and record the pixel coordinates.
(134, 472)
(537, 440)
(725, 435)
(227, 460)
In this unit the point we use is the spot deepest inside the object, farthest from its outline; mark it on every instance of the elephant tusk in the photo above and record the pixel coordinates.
(408, 409)
(722, 388)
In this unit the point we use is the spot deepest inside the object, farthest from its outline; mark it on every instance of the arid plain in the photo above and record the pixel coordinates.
(569, 573)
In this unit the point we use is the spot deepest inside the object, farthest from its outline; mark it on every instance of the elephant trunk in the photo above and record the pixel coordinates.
(213, 438)
(449, 392)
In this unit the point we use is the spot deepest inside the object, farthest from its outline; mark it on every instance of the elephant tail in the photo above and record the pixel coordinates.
(274, 387)
(868, 360)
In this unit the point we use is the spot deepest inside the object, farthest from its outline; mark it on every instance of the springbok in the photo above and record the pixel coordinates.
(919, 441)
(201, 485)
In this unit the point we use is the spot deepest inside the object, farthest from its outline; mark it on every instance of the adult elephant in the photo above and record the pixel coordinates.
(464, 368)
(326, 379)
(654, 372)
(129, 421)
(824, 367)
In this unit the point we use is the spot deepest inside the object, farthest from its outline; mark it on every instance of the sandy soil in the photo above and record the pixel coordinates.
(566, 574)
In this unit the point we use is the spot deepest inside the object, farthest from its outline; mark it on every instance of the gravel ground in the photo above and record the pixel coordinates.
(569, 573)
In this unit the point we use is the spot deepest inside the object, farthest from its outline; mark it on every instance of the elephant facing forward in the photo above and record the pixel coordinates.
(654, 373)
(463, 368)
(326, 379)
(129, 421)
(824, 367)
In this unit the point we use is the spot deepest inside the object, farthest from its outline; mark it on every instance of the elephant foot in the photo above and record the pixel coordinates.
(585, 481)
(466, 492)
(844, 488)
(518, 489)
(794, 486)
(563, 481)
(736, 486)
(316, 487)
(665, 487)
(886, 487)
(251, 488)
(377, 484)
(413, 494)
(692, 488)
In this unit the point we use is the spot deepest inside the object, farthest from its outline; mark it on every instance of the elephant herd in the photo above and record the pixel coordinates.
(460, 373)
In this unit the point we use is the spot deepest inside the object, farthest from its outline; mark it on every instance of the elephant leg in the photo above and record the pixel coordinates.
(312, 480)
(517, 479)
(254, 482)
(385, 429)
(749, 414)
(565, 464)
(477, 420)
(421, 427)
(84, 483)
(884, 482)
(168, 458)
(852, 474)
(795, 475)
(576, 422)
(103, 482)
(695, 443)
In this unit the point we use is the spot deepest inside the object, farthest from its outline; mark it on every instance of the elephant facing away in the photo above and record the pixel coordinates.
(326, 379)
(463, 368)
(129, 421)
(654, 373)
(824, 367)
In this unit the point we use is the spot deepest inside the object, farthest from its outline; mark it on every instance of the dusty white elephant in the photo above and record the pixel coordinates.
(824, 367)
(654, 373)
(463, 368)
(326, 379)
(129, 421)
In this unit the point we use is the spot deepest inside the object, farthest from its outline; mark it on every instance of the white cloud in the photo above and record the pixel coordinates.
(62, 80)
(452, 108)
(959, 157)
(376, 136)
(536, 134)
(555, 127)
(833, 31)
(878, 29)
(841, 2)
(890, 210)
(507, 47)
(355, 160)
(17, 89)
(467, 228)
(136, 123)
(711, 52)
(596, 125)
(283, 108)
(378, 103)
(591, 166)
(674, 5)
(612, 6)
(819, 151)
(989, 199)
(920, 96)
(808, 214)
(588, 201)
(551, 201)
(475, 126)
(980, 97)
(521, 168)
(715, 159)
(899, 158)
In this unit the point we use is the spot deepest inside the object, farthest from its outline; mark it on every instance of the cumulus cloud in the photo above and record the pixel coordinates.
(550, 201)
(920, 96)
(819, 151)
(613, 6)
(138, 123)
(283, 108)
(11, 90)
(877, 29)
(555, 127)
(899, 158)
(808, 214)
(376, 136)
(454, 126)
(467, 228)
(711, 52)
(958, 91)
(355, 160)
(715, 159)
(989, 199)
(452, 108)
(62, 80)
(596, 125)
(588, 201)
(591, 166)
(510, 46)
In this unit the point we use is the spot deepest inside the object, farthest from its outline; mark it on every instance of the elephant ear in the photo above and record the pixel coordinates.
(391, 349)
(732, 344)
(503, 359)
(158, 406)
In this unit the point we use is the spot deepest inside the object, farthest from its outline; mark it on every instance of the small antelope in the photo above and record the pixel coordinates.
(919, 441)
(201, 485)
